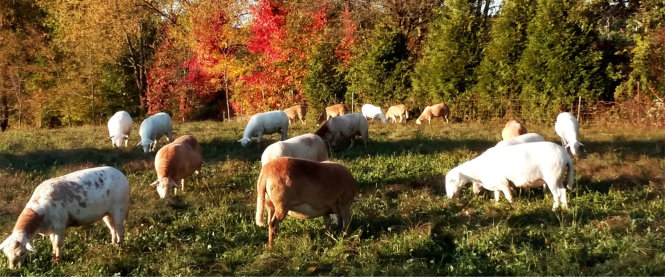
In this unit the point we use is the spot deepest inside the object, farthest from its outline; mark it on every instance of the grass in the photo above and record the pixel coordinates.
(404, 224)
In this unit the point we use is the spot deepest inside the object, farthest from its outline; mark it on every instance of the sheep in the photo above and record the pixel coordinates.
(119, 125)
(265, 123)
(345, 126)
(371, 112)
(525, 138)
(525, 165)
(397, 110)
(297, 111)
(433, 111)
(304, 189)
(512, 129)
(176, 161)
(567, 127)
(307, 146)
(79, 198)
(330, 112)
(153, 128)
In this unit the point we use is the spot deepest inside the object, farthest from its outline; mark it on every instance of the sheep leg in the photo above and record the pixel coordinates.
(326, 221)
(182, 184)
(562, 198)
(108, 219)
(56, 243)
(507, 193)
(345, 215)
(476, 188)
(273, 223)
(353, 140)
(497, 196)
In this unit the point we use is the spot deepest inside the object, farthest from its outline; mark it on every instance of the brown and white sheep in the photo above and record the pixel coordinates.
(332, 111)
(513, 129)
(304, 189)
(438, 110)
(297, 112)
(307, 146)
(78, 198)
(176, 161)
(397, 111)
(345, 126)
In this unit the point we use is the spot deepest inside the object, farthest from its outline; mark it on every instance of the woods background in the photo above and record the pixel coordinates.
(70, 62)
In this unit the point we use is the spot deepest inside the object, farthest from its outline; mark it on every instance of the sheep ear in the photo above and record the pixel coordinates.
(111, 137)
(29, 247)
(240, 140)
(126, 136)
(173, 184)
(154, 184)
(138, 144)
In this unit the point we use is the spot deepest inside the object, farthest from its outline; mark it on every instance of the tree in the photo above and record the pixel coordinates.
(498, 86)
(380, 75)
(324, 82)
(560, 61)
(451, 53)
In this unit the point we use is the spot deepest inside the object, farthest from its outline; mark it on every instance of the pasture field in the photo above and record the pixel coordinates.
(404, 224)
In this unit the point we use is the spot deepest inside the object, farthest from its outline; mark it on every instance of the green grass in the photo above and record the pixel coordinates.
(404, 224)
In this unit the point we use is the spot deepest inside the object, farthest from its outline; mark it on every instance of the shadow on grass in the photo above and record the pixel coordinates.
(414, 146)
(43, 160)
(650, 148)
(622, 182)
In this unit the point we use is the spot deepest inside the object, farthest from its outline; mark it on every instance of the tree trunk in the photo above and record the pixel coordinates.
(4, 112)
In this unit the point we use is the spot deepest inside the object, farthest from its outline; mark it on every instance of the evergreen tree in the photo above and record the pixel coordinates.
(324, 83)
(498, 86)
(381, 74)
(451, 53)
(560, 62)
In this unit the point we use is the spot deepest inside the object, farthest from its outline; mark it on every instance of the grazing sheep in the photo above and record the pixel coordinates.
(371, 112)
(304, 189)
(120, 124)
(433, 111)
(264, 124)
(525, 138)
(526, 165)
(397, 110)
(297, 111)
(330, 112)
(79, 198)
(512, 129)
(307, 146)
(153, 128)
(567, 127)
(176, 161)
(345, 126)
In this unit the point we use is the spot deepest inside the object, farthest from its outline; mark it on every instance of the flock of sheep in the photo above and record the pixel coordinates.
(296, 177)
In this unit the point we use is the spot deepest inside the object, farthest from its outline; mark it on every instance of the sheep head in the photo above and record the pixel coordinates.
(16, 249)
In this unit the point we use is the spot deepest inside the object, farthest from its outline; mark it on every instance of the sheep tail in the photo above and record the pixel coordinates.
(260, 199)
(571, 174)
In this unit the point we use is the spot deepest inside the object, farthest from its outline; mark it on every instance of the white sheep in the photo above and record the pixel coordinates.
(119, 125)
(307, 146)
(79, 198)
(345, 126)
(525, 165)
(264, 124)
(153, 128)
(176, 161)
(371, 112)
(567, 127)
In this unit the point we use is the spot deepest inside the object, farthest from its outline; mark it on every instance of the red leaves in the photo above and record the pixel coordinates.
(344, 48)
(268, 30)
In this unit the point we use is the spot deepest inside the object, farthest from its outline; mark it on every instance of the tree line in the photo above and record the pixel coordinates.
(69, 62)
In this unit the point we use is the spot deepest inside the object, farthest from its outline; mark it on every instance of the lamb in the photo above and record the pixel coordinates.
(79, 198)
(119, 125)
(265, 123)
(297, 111)
(153, 128)
(567, 127)
(304, 189)
(345, 126)
(433, 111)
(176, 161)
(307, 146)
(371, 112)
(330, 112)
(512, 129)
(526, 165)
(397, 110)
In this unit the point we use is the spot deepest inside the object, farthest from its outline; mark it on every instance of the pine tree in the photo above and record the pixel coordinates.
(324, 83)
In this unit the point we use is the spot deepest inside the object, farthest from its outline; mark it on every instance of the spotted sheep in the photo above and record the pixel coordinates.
(79, 198)
(153, 128)
(512, 129)
(176, 161)
(119, 125)
(304, 189)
